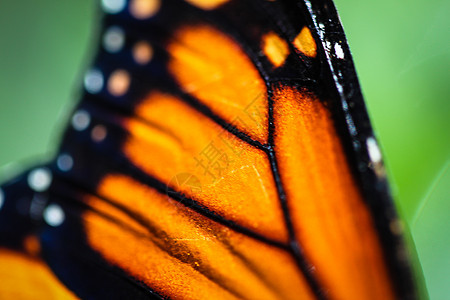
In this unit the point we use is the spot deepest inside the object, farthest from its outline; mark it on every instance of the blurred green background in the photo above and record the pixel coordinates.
(401, 51)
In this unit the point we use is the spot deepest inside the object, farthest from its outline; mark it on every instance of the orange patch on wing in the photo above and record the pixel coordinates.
(275, 48)
(182, 254)
(142, 52)
(305, 43)
(175, 142)
(26, 277)
(143, 9)
(207, 4)
(331, 222)
(32, 245)
(213, 68)
(119, 82)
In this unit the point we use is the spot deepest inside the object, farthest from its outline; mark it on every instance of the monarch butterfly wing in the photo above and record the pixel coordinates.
(39, 237)
(25, 275)
(222, 150)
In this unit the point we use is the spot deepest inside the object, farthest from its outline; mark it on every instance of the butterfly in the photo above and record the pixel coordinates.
(221, 149)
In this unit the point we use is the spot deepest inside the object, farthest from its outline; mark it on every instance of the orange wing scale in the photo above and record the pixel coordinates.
(212, 67)
(27, 277)
(182, 254)
(331, 222)
(235, 178)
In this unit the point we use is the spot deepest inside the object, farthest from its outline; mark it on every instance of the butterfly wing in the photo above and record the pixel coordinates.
(25, 275)
(222, 150)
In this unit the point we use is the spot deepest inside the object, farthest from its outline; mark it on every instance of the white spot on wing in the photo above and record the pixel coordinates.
(113, 6)
(113, 39)
(54, 215)
(321, 26)
(40, 179)
(81, 120)
(338, 51)
(93, 81)
(64, 162)
(374, 150)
